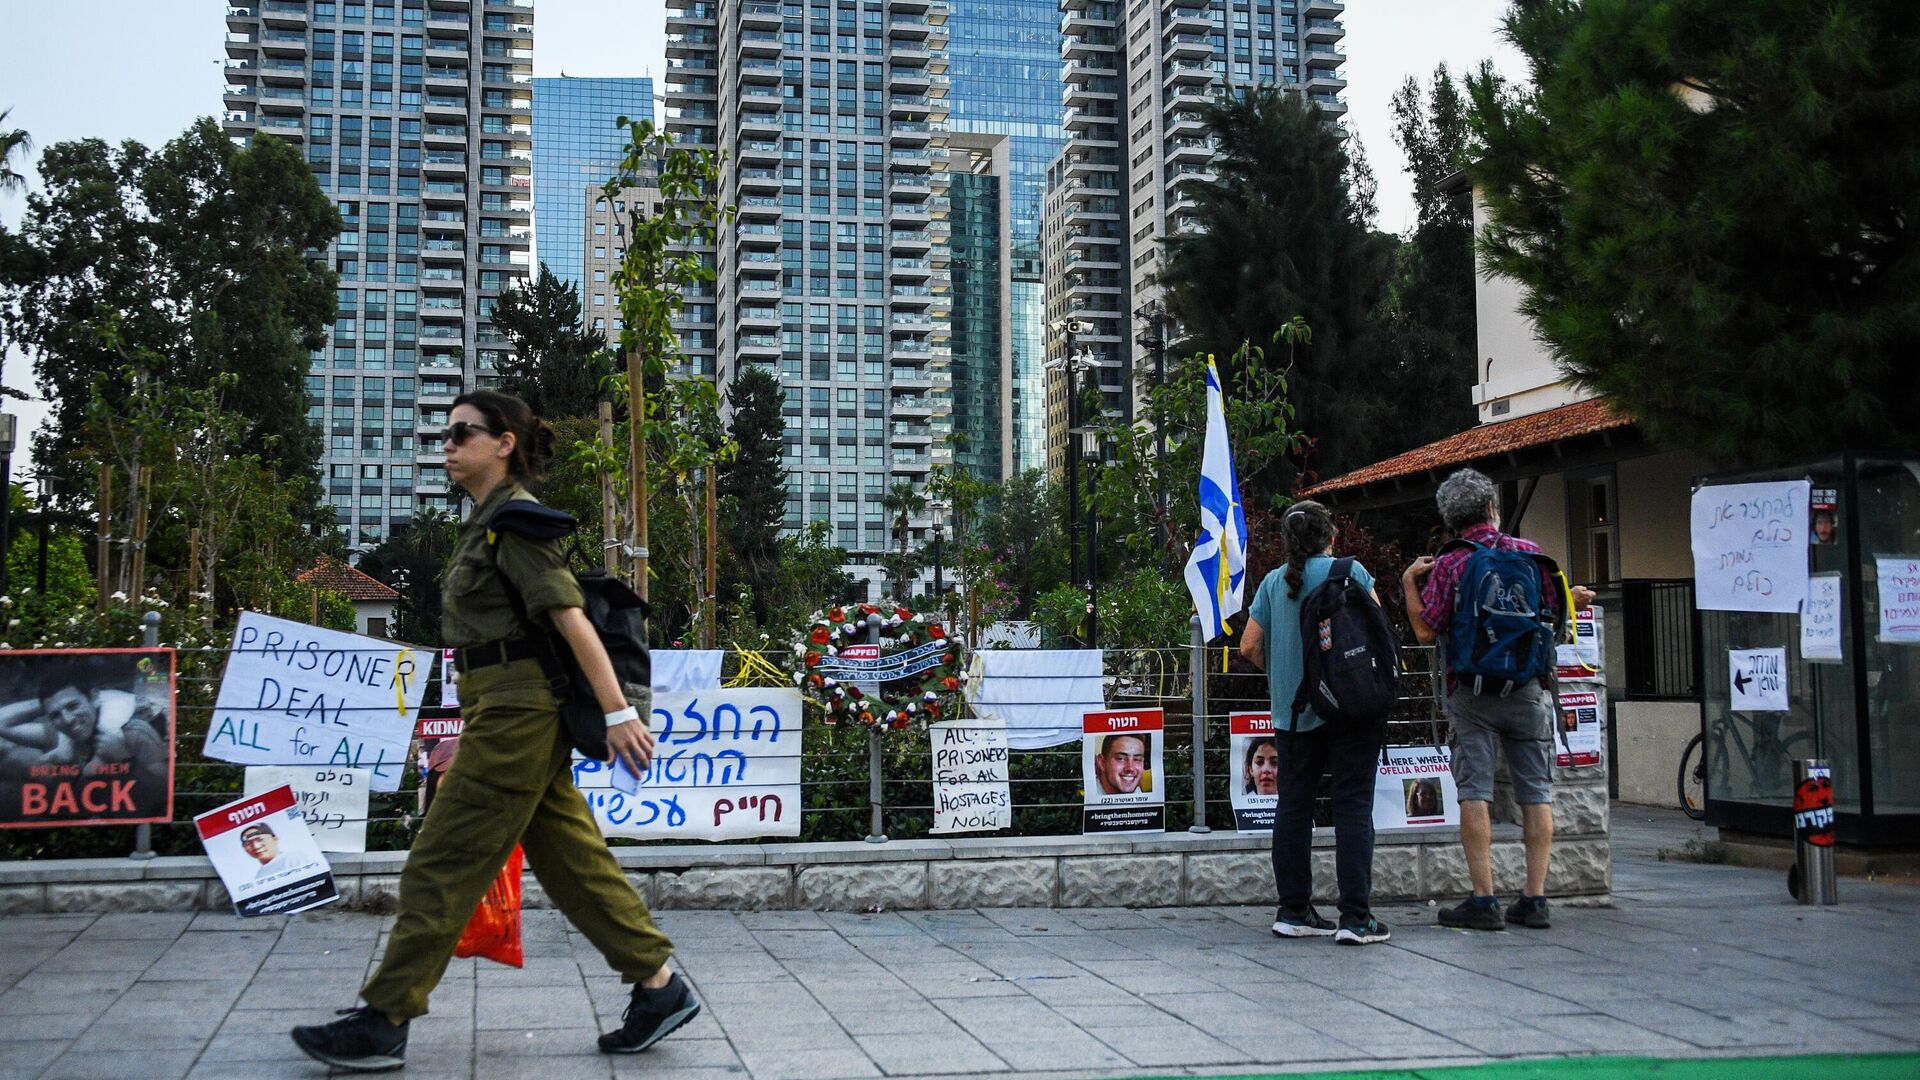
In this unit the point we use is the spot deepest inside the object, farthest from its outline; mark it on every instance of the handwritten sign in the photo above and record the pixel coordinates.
(970, 792)
(1757, 680)
(1413, 789)
(265, 855)
(1580, 716)
(333, 801)
(1750, 546)
(1123, 766)
(295, 694)
(1899, 598)
(1820, 619)
(726, 765)
(1253, 770)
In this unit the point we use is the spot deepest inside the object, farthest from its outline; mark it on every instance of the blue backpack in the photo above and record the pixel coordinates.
(1503, 629)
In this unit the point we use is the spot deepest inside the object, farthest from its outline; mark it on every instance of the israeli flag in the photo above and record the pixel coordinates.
(1217, 569)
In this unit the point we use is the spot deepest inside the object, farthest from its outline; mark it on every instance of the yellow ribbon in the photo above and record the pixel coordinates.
(405, 662)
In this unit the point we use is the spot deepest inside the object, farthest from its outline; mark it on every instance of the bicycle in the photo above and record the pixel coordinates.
(1764, 758)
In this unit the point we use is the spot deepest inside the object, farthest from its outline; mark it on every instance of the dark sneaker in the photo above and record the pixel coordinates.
(1470, 914)
(1530, 912)
(652, 1016)
(362, 1042)
(1308, 923)
(1371, 932)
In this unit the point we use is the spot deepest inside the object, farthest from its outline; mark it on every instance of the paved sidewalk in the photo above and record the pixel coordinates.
(1693, 960)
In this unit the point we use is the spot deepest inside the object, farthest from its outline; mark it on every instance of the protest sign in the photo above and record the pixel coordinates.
(333, 801)
(1820, 619)
(1413, 788)
(1122, 763)
(1581, 659)
(265, 855)
(970, 792)
(685, 669)
(1580, 728)
(1253, 770)
(86, 736)
(1757, 680)
(726, 765)
(449, 679)
(295, 694)
(438, 738)
(1750, 546)
(1823, 526)
(1899, 577)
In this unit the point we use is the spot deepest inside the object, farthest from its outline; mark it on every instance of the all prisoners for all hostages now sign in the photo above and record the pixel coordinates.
(295, 694)
(726, 765)
(86, 736)
(1750, 546)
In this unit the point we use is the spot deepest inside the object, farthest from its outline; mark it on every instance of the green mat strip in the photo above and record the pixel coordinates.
(1852, 1066)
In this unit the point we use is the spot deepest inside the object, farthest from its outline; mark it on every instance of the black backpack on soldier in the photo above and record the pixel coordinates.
(618, 616)
(1350, 670)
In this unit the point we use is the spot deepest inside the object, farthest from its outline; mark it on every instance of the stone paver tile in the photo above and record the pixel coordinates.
(1606, 1033)
(1078, 1052)
(252, 1042)
(303, 1068)
(1092, 1016)
(53, 1024)
(676, 1052)
(782, 920)
(913, 1055)
(535, 1042)
(188, 1031)
(532, 1007)
(820, 1035)
(1292, 1047)
(1160, 1045)
(800, 1063)
(636, 1065)
(520, 1067)
(1904, 1030)
(1080, 990)
(145, 1064)
(132, 955)
(27, 1057)
(164, 925)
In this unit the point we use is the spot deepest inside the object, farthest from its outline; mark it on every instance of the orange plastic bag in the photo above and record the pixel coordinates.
(494, 930)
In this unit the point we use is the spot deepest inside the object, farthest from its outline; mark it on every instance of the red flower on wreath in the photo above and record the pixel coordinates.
(813, 659)
(950, 683)
(821, 635)
(938, 632)
(902, 614)
(837, 615)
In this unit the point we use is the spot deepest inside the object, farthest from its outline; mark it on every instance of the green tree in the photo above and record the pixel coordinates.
(753, 486)
(1023, 533)
(901, 502)
(184, 263)
(412, 561)
(557, 366)
(12, 141)
(812, 576)
(1713, 208)
(1282, 234)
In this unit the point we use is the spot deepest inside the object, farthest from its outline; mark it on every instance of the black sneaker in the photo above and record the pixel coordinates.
(652, 1016)
(1530, 912)
(1371, 932)
(1308, 923)
(1469, 914)
(362, 1042)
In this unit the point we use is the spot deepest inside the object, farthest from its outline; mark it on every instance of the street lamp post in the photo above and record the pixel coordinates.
(1090, 448)
(939, 534)
(1156, 340)
(7, 425)
(1070, 371)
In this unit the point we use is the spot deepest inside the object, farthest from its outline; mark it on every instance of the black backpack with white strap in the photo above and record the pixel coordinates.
(1350, 660)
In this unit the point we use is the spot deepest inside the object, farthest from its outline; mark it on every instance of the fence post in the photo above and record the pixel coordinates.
(876, 800)
(1198, 664)
(143, 834)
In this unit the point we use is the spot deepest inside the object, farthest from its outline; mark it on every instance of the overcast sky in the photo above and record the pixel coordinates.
(144, 69)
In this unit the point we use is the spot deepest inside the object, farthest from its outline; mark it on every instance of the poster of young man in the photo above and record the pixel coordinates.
(1253, 770)
(86, 736)
(1413, 789)
(1123, 761)
(266, 856)
(1579, 739)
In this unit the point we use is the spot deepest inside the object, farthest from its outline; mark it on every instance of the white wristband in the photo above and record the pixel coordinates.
(615, 719)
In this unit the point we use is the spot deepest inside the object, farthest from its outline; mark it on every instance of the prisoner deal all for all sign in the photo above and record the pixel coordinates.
(294, 694)
(1123, 771)
(265, 854)
(86, 737)
(1253, 770)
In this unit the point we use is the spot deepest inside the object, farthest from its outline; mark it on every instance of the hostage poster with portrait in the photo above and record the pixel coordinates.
(1123, 767)
(265, 854)
(1253, 770)
(1413, 788)
(86, 736)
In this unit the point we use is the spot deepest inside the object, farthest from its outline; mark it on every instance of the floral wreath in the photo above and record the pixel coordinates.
(927, 696)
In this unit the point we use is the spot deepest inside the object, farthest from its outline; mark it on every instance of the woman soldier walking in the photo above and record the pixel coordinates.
(511, 782)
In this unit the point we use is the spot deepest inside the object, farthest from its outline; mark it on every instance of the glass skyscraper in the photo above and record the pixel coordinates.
(577, 146)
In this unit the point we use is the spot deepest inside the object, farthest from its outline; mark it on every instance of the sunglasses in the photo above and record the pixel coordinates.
(458, 431)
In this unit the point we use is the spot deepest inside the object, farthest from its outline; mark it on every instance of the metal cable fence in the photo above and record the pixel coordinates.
(1045, 785)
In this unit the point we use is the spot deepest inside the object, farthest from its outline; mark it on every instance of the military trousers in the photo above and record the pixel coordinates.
(511, 783)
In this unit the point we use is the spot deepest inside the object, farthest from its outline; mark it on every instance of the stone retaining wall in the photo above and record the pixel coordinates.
(1035, 871)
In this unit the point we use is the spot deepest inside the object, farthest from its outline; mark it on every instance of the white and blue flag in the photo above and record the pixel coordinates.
(1217, 569)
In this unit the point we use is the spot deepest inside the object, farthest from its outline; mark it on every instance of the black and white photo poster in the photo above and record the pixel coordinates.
(86, 736)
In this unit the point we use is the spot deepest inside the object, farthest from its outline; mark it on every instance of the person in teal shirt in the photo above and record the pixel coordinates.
(1308, 747)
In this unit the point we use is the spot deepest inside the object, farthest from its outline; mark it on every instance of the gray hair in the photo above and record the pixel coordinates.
(1463, 499)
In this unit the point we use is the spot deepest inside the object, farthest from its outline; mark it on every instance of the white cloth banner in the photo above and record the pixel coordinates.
(1757, 680)
(970, 792)
(1040, 694)
(1413, 789)
(333, 801)
(685, 669)
(1750, 546)
(295, 694)
(726, 765)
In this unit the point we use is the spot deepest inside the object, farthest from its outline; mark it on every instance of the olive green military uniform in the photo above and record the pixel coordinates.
(511, 783)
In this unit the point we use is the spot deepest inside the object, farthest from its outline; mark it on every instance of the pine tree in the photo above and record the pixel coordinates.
(753, 486)
(1714, 209)
(556, 365)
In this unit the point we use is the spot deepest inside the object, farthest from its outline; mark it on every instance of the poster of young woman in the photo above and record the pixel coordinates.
(1253, 770)
(1413, 788)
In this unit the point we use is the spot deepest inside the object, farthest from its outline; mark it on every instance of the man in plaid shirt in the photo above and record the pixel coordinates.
(1520, 721)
